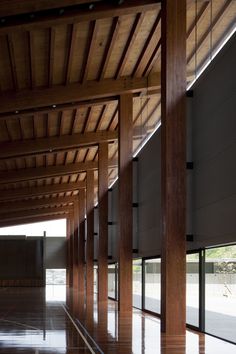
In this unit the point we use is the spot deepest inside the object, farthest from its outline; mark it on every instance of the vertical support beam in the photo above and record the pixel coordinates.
(68, 256)
(81, 256)
(75, 256)
(103, 222)
(125, 201)
(173, 166)
(90, 236)
(71, 260)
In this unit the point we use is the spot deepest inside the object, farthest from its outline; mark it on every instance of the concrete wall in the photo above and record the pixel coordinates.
(214, 151)
(211, 185)
(55, 252)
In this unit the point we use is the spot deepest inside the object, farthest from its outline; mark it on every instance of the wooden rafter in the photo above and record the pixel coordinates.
(51, 56)
(70, 52)
(133, 34)
(12, 61)
(209, 29)
(109, 47)
(90, 50)
(145, 54)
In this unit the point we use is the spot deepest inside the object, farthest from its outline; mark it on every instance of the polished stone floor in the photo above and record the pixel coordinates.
(30, 324)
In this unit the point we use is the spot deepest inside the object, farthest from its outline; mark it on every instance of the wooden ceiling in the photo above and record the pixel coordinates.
(62, 66)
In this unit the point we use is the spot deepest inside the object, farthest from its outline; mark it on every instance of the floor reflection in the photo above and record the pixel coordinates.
(32, 322)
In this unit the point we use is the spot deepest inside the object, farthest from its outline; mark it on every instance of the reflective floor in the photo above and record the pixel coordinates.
(30, 324)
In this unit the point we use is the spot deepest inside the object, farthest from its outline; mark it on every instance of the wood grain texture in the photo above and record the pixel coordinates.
(41, 97)
(173, 167)
(81, 254)
(89, 236)
(20, 193)
(103, 222)
(32, 147)
(125, 201)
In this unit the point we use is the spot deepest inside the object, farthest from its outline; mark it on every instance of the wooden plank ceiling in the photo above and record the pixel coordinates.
(62, 66)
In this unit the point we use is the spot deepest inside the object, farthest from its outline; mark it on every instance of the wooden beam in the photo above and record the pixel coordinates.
(61, 94)
(20, 193)
(129, 43)
(77, 14)
(125, 202)
(71, 280)
(147, 50)
(29, 174)
(89, 237)
(54, 144)
(34, 213)
(32, 220)
(109, 47)
(16, 7)
(68, 261)
(75, 256)
(34, 204)
(72, 42)
(173, 167)
(103, 223)
(51, 56)
(94, 26)
(81, 254)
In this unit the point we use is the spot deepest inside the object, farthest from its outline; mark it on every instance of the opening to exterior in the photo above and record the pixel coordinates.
(55, 284)
(220, 292)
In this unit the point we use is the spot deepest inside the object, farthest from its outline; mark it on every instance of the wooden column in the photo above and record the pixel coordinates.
(125, 201)
(90, 236)
(68, 263)
(173, 165)
(71, 259)
(81, 256)
(103, 222)
(76, 257)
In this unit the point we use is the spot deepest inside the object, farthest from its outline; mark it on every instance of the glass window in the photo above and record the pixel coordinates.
(152, 285)
(137, 283)
(192, 289)
(220, 292)
(112, 281)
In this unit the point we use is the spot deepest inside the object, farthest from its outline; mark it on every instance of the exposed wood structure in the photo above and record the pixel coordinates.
(89, 237)
(81, 252)
(34, 204)
(23, 100)
(15, 194)
(54, 144)
(75, 256)
(103, 223)
(173, 166)
(125, 202)
(34, 213)
(82, 85)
